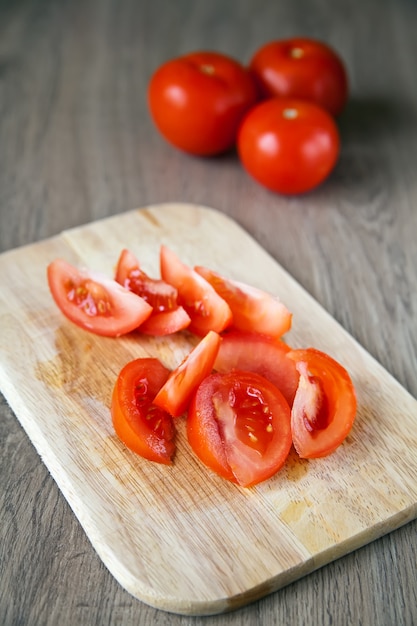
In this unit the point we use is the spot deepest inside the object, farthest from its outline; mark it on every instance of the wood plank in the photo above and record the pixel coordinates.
(135, 513)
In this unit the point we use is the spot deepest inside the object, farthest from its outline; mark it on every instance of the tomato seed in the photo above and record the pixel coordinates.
(249, 404)
(102, 307)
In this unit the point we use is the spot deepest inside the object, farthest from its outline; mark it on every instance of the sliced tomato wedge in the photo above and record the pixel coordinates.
(176, 393)
(95, 302)
(239, 426)
(167, 315)
(167, 323)
(142, 426)
(324, 406)
(207, 310)
(253, 309)
(258, 353)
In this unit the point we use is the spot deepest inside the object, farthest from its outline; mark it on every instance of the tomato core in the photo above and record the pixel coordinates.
(313, 400)
(319, 418)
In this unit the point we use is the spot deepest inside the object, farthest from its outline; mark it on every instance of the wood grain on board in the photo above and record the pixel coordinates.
(179, 538)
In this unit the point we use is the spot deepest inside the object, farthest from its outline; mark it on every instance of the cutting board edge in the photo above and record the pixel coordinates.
(297, 572)
(114, 216)
(221, 605)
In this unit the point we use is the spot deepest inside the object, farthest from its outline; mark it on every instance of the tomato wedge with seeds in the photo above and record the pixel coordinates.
(239, 426)
(167, 315)
(258, 353)
(324, 407)
(94, 302)
(176, 393)
(142, 426)
(208, 311)
(253, 309)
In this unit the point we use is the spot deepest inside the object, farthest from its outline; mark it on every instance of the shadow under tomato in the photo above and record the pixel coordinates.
(371, 131)
(370, 119)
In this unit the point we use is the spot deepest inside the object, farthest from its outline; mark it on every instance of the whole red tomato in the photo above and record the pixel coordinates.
(197, 101)
(302, 68)
(288, 145)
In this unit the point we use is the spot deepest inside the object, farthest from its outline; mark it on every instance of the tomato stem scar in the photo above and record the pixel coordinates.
(296, 53)
(207, 69)
(290, 114)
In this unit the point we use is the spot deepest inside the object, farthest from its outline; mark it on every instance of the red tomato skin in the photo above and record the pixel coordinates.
(175, 395)
(198, 100)
(341, 399)
(126, 263)
(302, 68)
(212, 428)
(124, 312)
(167, 316)
(253, 310)
(166, 323)
(289, 146)
(261, 354)
(207, 310)
(130, 425)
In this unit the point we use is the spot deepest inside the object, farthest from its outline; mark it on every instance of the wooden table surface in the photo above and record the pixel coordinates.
(77, 145)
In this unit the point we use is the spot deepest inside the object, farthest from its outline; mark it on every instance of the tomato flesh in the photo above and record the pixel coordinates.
(253, 310)
(142, 426)
(176, 393)
(324, 406)
(258, 353)
(166, 323)
(239, 426)
(253, 422)
(161, 296)
(94, 302)
(167, 315)
(206, 308)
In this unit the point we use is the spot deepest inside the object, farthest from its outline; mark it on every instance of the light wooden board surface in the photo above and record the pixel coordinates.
(180, 538)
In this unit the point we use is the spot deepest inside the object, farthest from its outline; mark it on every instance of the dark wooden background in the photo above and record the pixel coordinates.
(77, 144)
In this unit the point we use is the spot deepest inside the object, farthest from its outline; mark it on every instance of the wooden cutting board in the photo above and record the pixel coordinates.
(179, 538)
